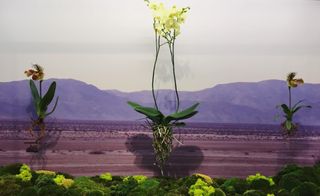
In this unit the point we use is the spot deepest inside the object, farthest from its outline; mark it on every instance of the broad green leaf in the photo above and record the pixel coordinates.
(54, 107)
(151, 113)
(34, 92)
(285, 109)
(148, 111)
(187, 113)
(133, 104)
(46, 100)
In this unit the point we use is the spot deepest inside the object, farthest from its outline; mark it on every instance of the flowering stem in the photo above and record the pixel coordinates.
(157, 39)
(40, 88)
(289, 97)
(171, 48)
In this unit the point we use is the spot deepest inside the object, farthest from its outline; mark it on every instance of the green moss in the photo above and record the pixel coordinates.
(25, 173)
(51, 190)
(219, 192)
(85, 185)
(234, 186)
(289, 181)
(306, 189)
(254, 193)
(30, 191)
(46, 172)
(12, 169)
(148, 187)
(283, 192)
(44, 180)
(293, 181)
(125, 187)
(94, 193)
(9, 185)
(66, 175)
(201, 188)
(250, 179)
(138, 178)
(106, 176)
(260, 184)
(287, 169)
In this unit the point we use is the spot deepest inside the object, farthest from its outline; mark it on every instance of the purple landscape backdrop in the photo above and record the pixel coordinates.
(225, 103)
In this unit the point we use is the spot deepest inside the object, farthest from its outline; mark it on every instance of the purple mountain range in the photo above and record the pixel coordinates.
(224, 103)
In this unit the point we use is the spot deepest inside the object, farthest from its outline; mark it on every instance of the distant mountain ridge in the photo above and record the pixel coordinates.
(243, 102)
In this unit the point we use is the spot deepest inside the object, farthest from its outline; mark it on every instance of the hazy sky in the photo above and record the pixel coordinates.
(110, 43)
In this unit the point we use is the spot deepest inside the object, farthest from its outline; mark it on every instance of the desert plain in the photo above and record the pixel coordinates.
(125, 148)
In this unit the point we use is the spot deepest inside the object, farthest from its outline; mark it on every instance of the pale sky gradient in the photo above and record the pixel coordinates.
(110, 43)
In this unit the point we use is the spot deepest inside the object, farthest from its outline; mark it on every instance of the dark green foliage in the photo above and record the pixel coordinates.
(9, 185)
(189, 180)
(287, 169)
(12, 169)
(254, 193)
(289, 181)
(125, 187)
(295, 176)
(51, 190)
(115, 180)
(71, 192)
(30, 191)
(174, 187)
(283, 192)
(44, 180)
(219, 192)
(95, 193)
(85, 185)
(148, 187)
(219, 181)
(66, 175)
(41, 103)
(235, 185)
(306, 189)
(260, 184)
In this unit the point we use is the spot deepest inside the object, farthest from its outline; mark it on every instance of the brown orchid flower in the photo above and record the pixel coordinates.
(292, 81)
(36, 73)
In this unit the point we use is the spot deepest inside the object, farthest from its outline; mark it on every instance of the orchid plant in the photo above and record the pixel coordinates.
(166, 25)
(41, 102)
(289, 110)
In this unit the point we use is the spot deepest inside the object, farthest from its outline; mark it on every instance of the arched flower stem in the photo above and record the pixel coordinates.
(40, 88)
(157, 41)
(171, 48)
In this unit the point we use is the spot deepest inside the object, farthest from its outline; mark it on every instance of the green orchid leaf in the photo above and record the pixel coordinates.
(46, 100)
(185, 114)
(35, 93)
(285, 109)
(151, 113)
(299, 107)
(133, 104)
(54, 107)
(295, 105)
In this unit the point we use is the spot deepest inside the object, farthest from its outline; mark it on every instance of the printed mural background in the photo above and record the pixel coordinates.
(232, 57)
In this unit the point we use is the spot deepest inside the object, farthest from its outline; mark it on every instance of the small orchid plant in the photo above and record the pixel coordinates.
(166, 24)
(41, 102)
(289, 110)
